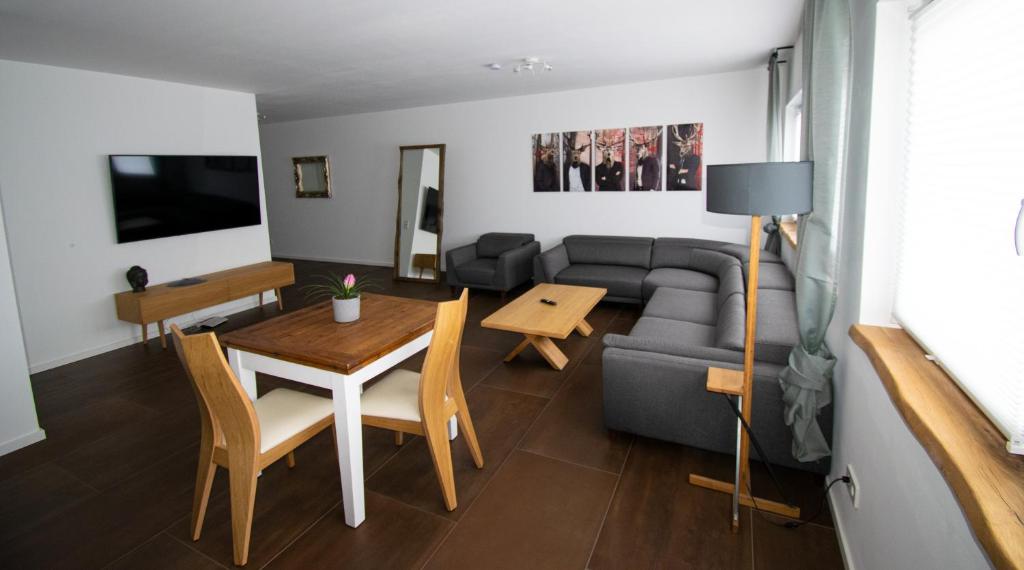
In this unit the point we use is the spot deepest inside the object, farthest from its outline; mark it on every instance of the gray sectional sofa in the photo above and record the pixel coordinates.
(693, 292)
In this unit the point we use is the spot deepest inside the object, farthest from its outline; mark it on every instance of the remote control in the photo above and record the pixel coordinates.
(548, 302)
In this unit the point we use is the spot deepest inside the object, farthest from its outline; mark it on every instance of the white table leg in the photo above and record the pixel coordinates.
(245, 376)
(453, 428)
(348, 425)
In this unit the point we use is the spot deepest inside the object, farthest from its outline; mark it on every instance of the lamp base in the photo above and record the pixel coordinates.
(746, 500)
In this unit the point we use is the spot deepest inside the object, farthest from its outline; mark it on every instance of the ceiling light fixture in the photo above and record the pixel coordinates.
(494, 66)
(532, 64)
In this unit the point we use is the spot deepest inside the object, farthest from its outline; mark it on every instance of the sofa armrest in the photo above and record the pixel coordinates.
(515, 266)
(553, 262)
(456, 257)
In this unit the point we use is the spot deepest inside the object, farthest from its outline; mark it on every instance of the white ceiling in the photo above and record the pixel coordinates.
(310, 58)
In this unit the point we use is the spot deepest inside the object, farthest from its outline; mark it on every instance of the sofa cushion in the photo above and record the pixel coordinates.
(742, 252)
(676, 252)
(619, 280)
(679, 279)
(730, 326)
(479, 271)
(777, 330)
(495, 244)
(774, 276)
(610, 250)
(699, 307)
(681, 332)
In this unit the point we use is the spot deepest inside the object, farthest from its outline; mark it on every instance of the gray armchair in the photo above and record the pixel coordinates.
(496, 262)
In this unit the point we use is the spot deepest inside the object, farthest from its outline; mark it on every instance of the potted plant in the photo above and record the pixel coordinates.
(344, 294)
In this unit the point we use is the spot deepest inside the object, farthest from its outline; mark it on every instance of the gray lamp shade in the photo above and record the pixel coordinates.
(760, 188)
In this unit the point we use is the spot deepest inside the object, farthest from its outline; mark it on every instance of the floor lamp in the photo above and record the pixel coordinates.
(756, 189)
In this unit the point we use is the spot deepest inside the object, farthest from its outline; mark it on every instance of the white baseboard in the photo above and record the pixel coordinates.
(182, 321)
(375, 263)
(22, 441)
(837, 523)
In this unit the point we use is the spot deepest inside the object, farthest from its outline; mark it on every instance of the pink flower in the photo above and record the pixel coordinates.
(350, 281)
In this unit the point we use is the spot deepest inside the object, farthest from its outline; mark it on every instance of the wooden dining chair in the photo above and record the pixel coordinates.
(241, 435)
(422, 404)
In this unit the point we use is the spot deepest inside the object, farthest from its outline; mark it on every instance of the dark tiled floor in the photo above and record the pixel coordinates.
(112, 484)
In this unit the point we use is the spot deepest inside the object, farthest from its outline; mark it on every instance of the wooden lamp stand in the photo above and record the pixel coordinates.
(741, 384)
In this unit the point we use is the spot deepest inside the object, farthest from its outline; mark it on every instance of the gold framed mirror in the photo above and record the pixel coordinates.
(312, 177)
(420, 218)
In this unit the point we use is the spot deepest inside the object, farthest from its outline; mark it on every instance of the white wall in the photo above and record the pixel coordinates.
(58, 126)
(18, 423)
(488, 168)
(908, 517)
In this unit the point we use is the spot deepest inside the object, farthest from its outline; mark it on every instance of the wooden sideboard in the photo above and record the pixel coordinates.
(161, 302)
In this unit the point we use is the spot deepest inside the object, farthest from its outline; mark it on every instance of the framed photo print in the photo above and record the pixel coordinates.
(685, 157)
(610, 154)
(645, 159)
(577, 148)
(546, 161)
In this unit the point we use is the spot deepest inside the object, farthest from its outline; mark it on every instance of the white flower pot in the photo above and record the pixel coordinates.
(346, 310)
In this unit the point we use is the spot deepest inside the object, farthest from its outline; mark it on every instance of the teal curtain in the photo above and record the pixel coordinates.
(807, 381)
(776, 118)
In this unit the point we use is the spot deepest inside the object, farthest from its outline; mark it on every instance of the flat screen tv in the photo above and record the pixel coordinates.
(163, 196)
(429, 221)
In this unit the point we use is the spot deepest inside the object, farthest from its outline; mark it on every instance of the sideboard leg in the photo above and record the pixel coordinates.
(163, 337)
(145, 333)
(261, 300)
(280, 300)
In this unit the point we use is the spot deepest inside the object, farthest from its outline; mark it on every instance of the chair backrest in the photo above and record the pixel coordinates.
(226, 409)
(441, 366)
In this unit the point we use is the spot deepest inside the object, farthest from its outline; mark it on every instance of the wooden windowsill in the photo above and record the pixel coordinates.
(788, 229)
(969, 451)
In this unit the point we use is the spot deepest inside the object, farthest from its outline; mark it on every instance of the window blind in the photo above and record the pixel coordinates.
(960, 282)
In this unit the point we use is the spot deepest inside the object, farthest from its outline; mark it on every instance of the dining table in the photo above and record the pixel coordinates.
(309, 347)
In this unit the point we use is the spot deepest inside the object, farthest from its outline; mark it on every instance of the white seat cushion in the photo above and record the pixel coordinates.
(396, 396)
(283, 413)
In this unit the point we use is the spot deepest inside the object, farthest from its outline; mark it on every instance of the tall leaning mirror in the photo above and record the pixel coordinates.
(420, 213)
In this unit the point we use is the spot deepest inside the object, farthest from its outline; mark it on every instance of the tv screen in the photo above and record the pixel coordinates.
(429, 221)
(162, 196)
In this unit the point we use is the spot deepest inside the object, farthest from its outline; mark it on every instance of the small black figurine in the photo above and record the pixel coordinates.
(137, 278)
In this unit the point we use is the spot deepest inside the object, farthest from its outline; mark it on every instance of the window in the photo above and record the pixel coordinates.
(793, 133)
(960, 282)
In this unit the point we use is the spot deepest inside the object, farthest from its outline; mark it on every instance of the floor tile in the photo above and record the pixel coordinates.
(529, 373)
(658, 520)
(79, 426)
(110, 460)
(104, 527)
(37, 494)
(164, 553)
(806, 490)
(537, 513)
(809, 547)
(288, 501)
(572, 428)
(500, 417)
(394, 536)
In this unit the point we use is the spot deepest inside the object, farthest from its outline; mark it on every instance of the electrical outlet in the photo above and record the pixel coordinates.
(853, 487)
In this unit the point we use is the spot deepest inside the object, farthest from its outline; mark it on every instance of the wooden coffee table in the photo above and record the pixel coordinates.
(540, 322)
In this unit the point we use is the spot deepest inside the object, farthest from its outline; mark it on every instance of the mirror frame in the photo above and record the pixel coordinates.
(440, 209)
(297, 163)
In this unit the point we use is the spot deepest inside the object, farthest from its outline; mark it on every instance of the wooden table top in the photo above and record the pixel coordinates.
(527, 315)
(311, 337)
